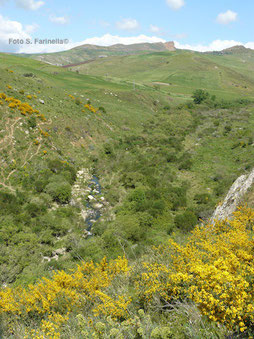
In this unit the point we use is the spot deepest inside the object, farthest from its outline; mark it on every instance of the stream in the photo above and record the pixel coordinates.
(93, 204)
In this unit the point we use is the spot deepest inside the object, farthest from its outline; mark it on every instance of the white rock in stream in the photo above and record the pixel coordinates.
(90, 197)
(87, 234)
(59, 251)
(98, 206)
(73, 202)
(84, 214)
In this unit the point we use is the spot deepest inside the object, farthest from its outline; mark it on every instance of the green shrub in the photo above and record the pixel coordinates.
(185, 164)
(59, 167)
(125, 227)
(186, 220)
(34, 209)
(202, 198)
(8, 203)
(102, 109)
(137, 199)
(171, 157)
(32, 122)
(89, 249)
(108, 149)
(199, 96)
(28, 75)
(59, 191)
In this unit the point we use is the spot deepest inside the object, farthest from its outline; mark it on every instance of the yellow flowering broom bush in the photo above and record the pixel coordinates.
(90, 108)
(68, 292)
(23, 107)
(215, 269)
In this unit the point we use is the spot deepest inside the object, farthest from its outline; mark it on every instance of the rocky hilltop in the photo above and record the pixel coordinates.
(170, 45)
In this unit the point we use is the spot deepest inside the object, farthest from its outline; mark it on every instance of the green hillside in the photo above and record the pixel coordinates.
(90, 52)
(92, 167)
(180, 72)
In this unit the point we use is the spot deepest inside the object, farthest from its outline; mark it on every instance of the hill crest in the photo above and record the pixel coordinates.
(88, 52)
(236, 50)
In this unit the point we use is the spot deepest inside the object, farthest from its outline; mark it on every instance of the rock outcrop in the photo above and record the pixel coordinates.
(234, 197)
(170, 46)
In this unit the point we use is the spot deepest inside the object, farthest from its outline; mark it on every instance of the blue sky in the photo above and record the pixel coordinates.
(194, 24)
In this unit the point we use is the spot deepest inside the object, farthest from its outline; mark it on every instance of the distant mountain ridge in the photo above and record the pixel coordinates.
(146, 46)
(88, 52)
(238, 49)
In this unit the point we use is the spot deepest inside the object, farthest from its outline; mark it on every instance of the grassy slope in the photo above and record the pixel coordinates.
(62, 82)
(183, 71)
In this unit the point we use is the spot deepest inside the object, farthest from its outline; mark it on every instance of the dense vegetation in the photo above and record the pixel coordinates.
(156, 297)
(162, 165)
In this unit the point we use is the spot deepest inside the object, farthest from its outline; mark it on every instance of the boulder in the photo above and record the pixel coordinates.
(234, 197)
(98, 206)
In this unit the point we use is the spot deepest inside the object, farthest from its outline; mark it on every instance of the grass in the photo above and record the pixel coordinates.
(184, 72)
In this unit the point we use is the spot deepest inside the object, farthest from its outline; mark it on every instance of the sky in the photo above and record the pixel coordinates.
(192, 24)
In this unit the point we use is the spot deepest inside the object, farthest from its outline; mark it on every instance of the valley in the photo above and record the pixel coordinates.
(106, 169)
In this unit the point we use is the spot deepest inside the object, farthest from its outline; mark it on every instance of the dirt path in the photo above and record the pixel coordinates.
(8, 144)
(9, 129)
(161, 83)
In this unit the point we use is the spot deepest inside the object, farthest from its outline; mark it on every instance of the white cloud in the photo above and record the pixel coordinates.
(227, 17)
(60, 20)
(11, 30)
(154, 29)
(216, 45)
(175, 4)
(30, 4)
(31, 28)
(26, 4)
(108, 40)
(249, 45)
(127, 24)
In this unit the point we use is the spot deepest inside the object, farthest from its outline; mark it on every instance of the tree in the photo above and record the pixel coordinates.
(199, 96)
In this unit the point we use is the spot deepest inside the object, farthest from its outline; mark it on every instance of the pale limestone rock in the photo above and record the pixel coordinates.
(234, 197)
